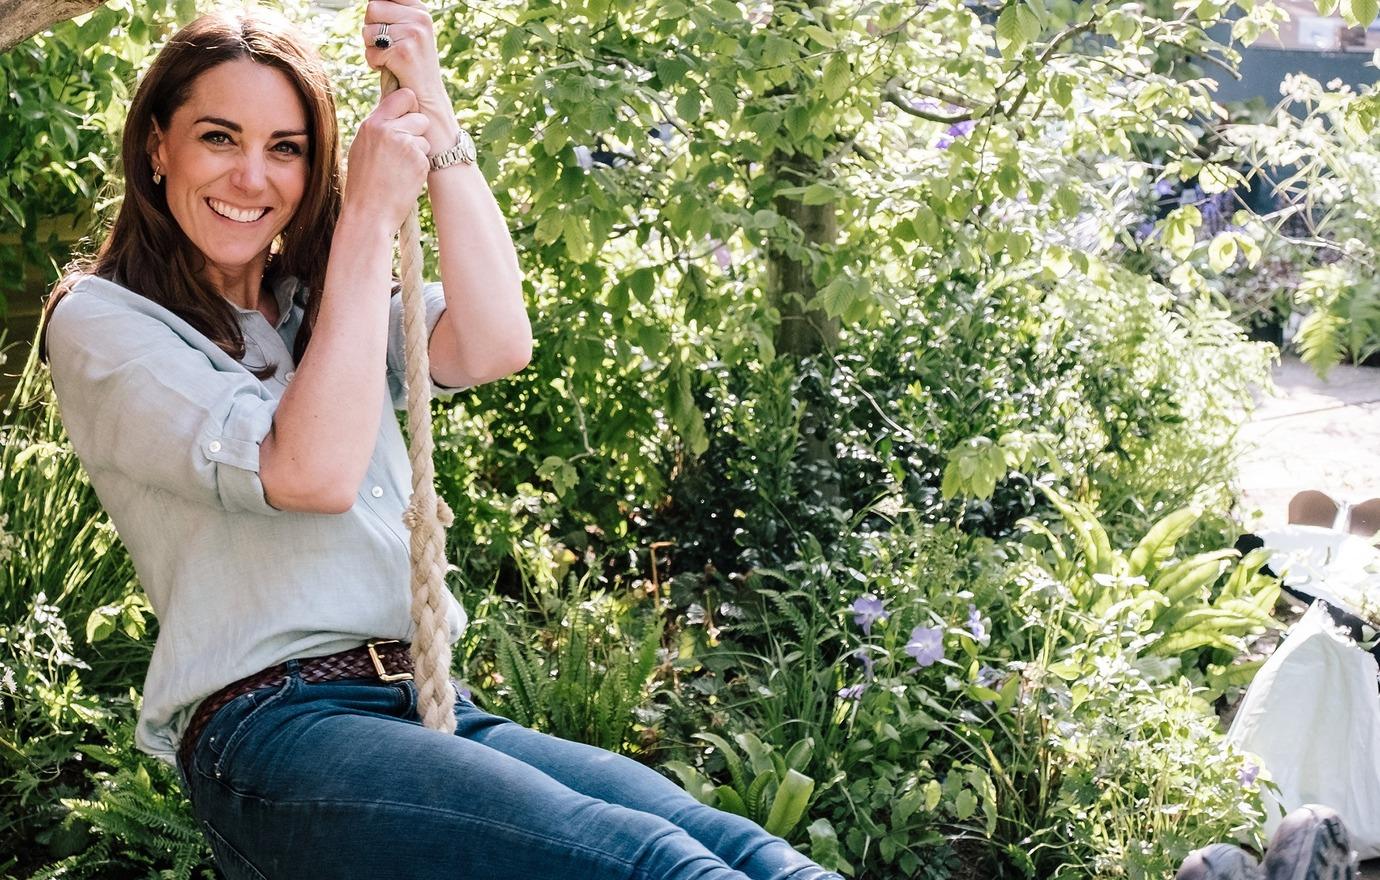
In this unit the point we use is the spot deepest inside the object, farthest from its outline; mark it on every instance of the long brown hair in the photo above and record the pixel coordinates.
(147, 251)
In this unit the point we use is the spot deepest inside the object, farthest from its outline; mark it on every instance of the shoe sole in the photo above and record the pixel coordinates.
(1324, 854)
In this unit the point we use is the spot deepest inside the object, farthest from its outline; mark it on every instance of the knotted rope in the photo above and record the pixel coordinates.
(427, 515)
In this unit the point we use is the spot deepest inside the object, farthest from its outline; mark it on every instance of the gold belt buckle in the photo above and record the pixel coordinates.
(378, 663)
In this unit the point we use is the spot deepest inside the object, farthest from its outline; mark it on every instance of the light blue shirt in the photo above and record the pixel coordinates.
(168, 427)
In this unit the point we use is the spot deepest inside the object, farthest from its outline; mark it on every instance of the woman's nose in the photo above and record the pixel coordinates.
(251, 174)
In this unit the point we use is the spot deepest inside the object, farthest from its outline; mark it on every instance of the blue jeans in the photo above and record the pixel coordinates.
(340, 780)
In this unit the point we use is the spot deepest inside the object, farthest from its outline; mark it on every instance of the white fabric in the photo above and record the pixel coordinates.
(1340, 568)
(1312, 715)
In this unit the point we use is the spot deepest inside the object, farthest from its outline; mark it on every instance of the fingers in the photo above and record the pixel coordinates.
(398, 103)
(413, 123)
(379, 11)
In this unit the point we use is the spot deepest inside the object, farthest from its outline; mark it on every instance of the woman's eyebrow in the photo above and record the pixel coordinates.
(235, 127)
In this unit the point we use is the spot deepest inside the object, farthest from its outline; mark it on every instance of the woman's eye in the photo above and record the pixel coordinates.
(292, 149)
(210, 135)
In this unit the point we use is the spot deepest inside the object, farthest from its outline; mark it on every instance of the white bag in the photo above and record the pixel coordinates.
(1312, 715)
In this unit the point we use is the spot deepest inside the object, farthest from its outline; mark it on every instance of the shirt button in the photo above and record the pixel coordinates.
(290, 374)
(214, 446)
(377, 491)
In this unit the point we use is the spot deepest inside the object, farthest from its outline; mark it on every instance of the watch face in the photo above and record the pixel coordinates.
(466, 146)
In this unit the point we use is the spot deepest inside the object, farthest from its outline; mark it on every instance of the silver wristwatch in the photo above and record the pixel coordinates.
(463, 152)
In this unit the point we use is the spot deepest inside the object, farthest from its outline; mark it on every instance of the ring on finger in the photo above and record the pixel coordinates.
(381, 39)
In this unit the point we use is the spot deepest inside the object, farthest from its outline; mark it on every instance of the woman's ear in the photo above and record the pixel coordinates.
(154, 147)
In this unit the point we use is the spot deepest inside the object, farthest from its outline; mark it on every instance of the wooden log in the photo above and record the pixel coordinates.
(21, 19)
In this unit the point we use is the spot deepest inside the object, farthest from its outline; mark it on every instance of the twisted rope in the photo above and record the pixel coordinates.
(427, 515)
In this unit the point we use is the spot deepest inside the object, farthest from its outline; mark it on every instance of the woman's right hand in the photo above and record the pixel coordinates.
(387, 167)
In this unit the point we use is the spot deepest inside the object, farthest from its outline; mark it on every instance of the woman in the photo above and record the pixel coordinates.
(227, 367)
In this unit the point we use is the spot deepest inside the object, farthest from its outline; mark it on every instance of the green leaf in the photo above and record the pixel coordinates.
(1360, 13)
(926, 224)
(730, 756)
(730, 801)
(100, 624)
(798, 758)
(1159, 542)
(788, 807)
(1027, 21)
(724, 100)
(824, 845)
(688, 105)
(819, 194)
(692, 781)
(1011, 38)
(965, 805)
(933, 793)
(838, 75)
(1222, 252)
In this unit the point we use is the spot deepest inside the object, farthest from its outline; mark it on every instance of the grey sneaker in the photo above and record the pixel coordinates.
(1311, 844)
(1221, 861)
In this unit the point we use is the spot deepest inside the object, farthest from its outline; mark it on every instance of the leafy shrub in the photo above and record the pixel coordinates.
(1317, 144)
(584, 676)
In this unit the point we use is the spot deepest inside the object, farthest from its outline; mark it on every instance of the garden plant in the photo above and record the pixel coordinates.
(873, 473)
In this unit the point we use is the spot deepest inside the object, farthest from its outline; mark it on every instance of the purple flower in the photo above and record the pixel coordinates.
(867, 610)
(962, 129)
(975, 624)
(926, 645)
(852, 692)
(1248, 772)
(988, 677)
(1164, 188)
(723, 257)
(865, 656)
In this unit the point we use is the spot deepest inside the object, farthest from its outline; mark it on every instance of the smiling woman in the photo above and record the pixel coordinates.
(243, 116)
(260, 484)
(233, 187)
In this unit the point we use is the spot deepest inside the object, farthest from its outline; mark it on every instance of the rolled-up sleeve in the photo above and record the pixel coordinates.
(433, 295)
(136, 398)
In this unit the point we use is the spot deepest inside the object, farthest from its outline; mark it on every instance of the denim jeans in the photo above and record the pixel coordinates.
(340, 780)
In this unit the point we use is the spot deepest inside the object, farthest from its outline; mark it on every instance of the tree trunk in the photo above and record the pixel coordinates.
(21, 19)
(805, 330)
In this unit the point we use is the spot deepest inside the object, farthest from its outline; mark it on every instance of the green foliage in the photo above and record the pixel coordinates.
(1318, 145)
(137, 818)
(768, 788)
(1176, 606)
(65, 93)
(1049, 730)
(584, 679)
(970, 172)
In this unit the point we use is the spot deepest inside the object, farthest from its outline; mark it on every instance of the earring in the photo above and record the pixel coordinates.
(157, 178)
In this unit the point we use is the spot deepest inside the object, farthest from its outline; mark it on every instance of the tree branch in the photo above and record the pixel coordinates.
(21, 19)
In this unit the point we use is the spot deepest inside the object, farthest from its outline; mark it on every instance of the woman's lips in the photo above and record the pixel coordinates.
(235, 215)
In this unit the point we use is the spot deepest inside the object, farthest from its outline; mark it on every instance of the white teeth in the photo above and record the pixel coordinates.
(233, 213)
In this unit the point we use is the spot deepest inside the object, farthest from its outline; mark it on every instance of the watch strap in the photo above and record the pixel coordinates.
(462, 153)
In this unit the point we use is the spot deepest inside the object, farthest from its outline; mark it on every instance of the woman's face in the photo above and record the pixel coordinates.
(234, 161)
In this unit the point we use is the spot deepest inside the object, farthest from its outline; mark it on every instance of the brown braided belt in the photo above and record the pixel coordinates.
(387, 660)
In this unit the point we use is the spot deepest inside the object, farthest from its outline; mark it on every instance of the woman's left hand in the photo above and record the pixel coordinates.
(413, 59)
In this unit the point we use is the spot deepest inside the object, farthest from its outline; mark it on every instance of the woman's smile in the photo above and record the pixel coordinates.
(240, 216)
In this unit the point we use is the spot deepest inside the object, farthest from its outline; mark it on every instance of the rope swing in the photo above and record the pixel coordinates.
(427, 515)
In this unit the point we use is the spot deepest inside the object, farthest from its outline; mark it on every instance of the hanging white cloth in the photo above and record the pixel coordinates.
(1312, 713)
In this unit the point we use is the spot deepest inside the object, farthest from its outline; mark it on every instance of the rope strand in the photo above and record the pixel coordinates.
(427, 515)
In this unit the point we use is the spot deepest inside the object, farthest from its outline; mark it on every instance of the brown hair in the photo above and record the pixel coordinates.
(147, 251)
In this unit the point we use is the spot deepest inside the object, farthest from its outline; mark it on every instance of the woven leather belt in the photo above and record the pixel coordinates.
(385, 660)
